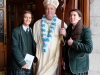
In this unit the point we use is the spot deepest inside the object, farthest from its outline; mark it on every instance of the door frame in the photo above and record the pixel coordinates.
(3, 43)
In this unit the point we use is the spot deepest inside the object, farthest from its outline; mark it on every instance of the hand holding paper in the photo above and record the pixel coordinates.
(29, 60)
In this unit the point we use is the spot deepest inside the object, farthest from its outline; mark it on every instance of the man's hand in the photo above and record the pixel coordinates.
(63, 32)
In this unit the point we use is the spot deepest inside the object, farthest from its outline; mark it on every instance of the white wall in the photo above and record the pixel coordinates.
(95, 28)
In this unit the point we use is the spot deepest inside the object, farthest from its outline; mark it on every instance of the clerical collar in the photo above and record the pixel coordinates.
(24, 27)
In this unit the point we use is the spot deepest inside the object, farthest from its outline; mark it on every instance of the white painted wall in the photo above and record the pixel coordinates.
(95, 28)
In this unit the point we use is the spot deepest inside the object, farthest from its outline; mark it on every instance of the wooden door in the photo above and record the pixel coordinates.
(14, 11)
(84, 6)
(3, 38)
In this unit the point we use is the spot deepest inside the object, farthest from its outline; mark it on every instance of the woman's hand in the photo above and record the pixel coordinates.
(63, 32)
(25, 67)
(70, 41)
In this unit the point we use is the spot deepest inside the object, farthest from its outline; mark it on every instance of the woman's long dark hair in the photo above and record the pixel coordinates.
(78, 27)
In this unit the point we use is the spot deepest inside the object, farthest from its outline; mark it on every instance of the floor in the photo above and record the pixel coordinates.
(2, 73)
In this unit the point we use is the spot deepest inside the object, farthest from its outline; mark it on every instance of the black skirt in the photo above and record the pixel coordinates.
(84, 73)
(21, 72)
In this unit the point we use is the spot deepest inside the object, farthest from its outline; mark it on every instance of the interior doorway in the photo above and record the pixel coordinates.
(14, 11)
(11, 15)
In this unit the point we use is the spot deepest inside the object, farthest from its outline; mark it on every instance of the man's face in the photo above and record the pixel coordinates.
(50, 11)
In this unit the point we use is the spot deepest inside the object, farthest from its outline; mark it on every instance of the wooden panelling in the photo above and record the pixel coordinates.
(71, 4)
(76, 4)
(84, 6)
(2, 60)
(39, 9)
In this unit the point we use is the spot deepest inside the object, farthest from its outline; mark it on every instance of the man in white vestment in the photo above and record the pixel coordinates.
(47, 38)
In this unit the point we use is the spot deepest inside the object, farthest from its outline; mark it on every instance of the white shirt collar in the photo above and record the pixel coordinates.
(24, 27)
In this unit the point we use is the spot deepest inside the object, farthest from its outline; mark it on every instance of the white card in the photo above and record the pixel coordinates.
(29, 60)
